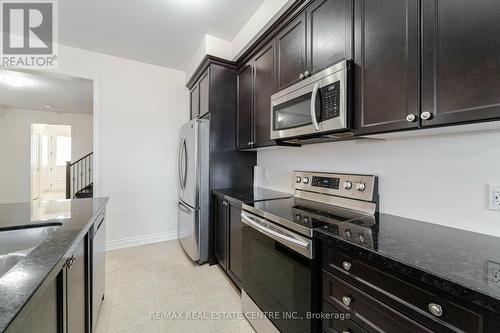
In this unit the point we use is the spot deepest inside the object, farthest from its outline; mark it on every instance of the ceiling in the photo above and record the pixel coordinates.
(45, 92)
(160, 32)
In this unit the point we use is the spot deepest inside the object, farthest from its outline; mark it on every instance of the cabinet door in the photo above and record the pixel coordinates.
(76, 290)
(461, 66)
(245, 106)
(386, 65)
(204, 88)
(329, 33)
(194, 95)
(221, 232)
(291, 52)
(235, 241)
(264, 87)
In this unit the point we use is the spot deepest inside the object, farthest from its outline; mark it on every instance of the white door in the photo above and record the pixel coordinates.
(60, 153)
(35, 166)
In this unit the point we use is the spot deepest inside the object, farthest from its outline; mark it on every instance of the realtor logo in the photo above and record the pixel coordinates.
(29, 33)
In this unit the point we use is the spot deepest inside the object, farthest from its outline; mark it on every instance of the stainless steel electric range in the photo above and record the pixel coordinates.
(278, 247)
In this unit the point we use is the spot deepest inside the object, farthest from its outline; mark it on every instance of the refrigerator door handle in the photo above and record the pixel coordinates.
(184, 208)
(184, 145)
(179, 166)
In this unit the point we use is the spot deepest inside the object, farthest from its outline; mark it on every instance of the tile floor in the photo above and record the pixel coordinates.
(159, 278)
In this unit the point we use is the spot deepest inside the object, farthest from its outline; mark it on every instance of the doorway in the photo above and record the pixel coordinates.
(50, 150)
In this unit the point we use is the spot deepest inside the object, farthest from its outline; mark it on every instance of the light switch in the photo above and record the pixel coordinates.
(494, 197)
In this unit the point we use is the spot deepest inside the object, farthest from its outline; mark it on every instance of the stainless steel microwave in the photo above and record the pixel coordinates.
(314, 106)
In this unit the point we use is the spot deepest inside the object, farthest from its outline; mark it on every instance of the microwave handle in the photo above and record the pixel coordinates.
(313, 106)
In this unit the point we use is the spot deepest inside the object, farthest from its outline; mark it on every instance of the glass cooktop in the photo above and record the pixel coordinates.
(304, 216)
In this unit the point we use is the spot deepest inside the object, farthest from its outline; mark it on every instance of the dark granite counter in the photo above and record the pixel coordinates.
(455, 261)
(250, 195)
(27, 277)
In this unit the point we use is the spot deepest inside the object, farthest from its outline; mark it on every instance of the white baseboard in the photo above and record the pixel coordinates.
(140, 240)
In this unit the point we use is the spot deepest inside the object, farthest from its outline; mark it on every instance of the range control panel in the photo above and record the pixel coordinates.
(361, 187)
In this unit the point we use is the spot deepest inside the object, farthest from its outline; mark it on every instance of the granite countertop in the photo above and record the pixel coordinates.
(250, 195)
(452, 260)
(27, 276)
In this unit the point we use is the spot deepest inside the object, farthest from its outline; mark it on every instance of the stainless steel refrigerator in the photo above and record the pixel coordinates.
(193, 179)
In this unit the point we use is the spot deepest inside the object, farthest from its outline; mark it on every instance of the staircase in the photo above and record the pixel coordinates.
(79, 181)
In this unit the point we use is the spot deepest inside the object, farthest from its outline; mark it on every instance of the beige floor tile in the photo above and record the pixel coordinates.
(131, 274)
(108, 296)
(150, 327)
(102, 321)
(131, 291)
(110, 278)
(176, 300)
(206, 290)
(169, 281)
(112, 264)
(130, 314)
(241, 326)
(185, 325)
(228, 306)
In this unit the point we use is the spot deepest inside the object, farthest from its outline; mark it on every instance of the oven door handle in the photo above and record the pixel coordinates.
(250, 222)
(313, 106)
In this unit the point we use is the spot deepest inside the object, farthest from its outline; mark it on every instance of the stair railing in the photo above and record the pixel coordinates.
(79, 174)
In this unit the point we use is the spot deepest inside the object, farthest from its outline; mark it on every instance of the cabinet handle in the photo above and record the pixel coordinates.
(346, 300)
(307, 74)
(426, 115)
(301, 76)
(435, 309)
(411, 118)
(224, 203)
(346, 265)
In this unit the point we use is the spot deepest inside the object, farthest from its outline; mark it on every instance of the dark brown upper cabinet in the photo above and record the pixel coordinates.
(194, 97)
(204, 93)
(461, 61)
(291, 52)
(386, 96)
(244, 122)
(329, 33)
(256, 84)
(264, 87)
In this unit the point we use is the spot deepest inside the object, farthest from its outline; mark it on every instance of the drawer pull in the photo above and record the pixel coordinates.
(346, 300)
(435, 309)
(346, 265)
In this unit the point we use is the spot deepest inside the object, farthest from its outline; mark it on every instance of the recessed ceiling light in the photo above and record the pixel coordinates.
(14, 80)
(48, 106)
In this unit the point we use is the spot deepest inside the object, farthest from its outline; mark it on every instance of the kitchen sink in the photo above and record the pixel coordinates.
(18, 243)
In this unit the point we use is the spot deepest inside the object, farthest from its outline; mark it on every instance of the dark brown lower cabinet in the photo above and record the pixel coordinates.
(76, 286)
(360, 296)
(44, 315)
(63, 306)
(228, 232)
(221, 212)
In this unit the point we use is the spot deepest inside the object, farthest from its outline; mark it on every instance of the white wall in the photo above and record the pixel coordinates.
(254, 25)
(138, 111)
(208, 45)
(438, 179)
(15, 146)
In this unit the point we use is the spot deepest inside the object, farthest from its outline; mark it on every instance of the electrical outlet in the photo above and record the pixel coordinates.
(494, 197)
(493, 274)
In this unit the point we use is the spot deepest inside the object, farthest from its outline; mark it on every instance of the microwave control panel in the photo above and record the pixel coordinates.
(330, 100)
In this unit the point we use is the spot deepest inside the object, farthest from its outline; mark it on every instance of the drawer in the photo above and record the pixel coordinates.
(366, 310)
(407, 298)
(334, 324)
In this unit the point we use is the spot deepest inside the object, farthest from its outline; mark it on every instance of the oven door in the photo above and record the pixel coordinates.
(277, 275)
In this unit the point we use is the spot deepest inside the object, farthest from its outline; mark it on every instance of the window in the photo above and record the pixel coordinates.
(63, 150)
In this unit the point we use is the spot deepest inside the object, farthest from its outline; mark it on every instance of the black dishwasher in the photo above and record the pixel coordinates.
(98, 266)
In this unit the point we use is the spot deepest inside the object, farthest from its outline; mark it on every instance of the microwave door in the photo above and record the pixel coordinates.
(292, 115)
